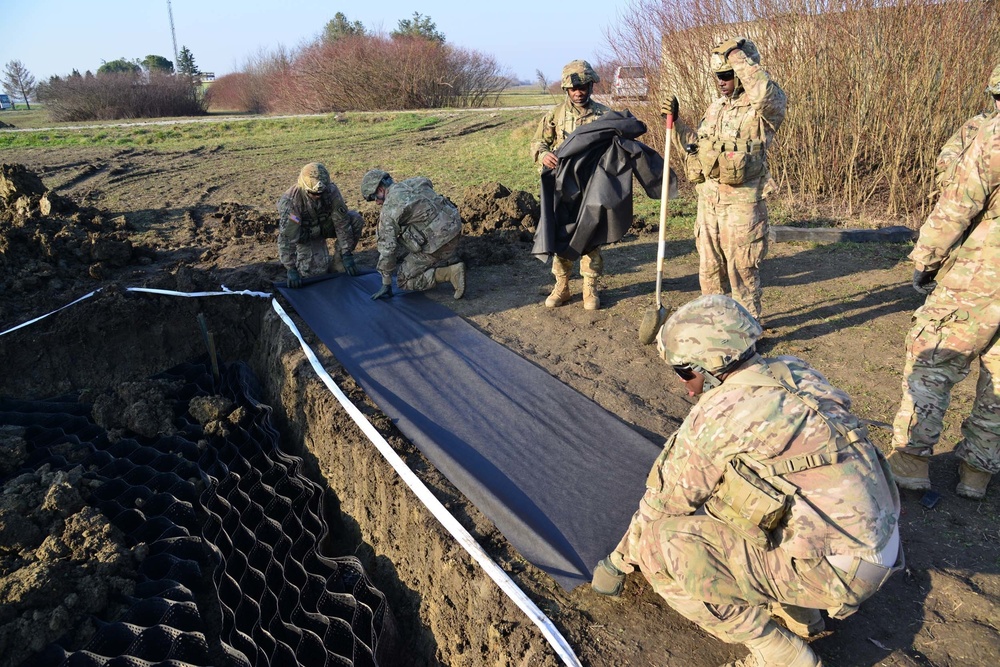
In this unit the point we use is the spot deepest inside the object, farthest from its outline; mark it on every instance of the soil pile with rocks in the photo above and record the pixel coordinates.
(497, 223)
(50, 248)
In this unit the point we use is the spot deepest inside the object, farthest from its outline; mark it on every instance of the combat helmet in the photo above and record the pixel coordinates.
(370, 182)
(719, 63)
(993, 86)
(314, 178)
(578, 73)
(712, 335)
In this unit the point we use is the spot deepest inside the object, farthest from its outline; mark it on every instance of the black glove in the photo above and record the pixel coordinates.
(384, 293)
(349, 265)
(294, 279)
(691, 149)
(923, 281)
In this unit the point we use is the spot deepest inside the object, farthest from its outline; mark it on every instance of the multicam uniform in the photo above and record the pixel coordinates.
(305, 224)
(552, 131)
(960, 319)
(823, 554)
(421, 227)
(732, 178)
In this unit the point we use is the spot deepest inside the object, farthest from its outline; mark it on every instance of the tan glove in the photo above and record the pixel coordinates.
(728, 46)
(608, 579)
(670, 107)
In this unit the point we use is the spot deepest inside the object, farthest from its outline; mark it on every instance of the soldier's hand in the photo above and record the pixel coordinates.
(384, 293)
(608, 579)
(728, 46)
(550, 160)
(691, 149)
(671, 107)
(923, 281)
(349, 265)
(294, 279)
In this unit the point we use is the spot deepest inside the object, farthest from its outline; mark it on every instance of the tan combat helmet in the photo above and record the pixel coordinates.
(712, 335)
(578, 73)
(314, 178)
(370, 182)
(993, 86)
(718, 62)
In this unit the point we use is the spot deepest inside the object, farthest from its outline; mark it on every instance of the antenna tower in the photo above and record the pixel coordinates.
(173, 35)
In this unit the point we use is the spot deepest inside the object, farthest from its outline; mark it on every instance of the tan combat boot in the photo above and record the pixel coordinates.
(972, 481)
(775, 647)
(804, 622)
(910, 470)
(455, 274)
(560, 293)
(591, 297)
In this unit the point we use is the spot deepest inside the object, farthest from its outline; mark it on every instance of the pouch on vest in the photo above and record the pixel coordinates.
(738, 167)
(327, 228)
(708, 155)
(692, 168)
(748, 504)
(413, 239)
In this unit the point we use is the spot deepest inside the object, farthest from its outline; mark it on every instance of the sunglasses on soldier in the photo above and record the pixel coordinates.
(726, 76)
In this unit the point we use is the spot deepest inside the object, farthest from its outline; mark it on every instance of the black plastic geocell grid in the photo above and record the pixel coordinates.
(247, 544)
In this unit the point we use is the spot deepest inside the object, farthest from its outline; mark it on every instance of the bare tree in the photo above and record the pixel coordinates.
(19, 82)
(543, 83)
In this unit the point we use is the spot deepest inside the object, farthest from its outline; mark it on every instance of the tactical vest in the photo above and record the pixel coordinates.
(753, 497)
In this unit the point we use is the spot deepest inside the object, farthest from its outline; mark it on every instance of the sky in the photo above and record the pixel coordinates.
(52, 37)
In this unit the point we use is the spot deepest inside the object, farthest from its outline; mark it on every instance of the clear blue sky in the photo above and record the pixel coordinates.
(56, 36)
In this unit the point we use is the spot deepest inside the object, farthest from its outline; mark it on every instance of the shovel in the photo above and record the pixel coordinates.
(655, 317)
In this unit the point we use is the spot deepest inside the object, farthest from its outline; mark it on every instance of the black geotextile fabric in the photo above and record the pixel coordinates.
(233, 530)
(558, 475)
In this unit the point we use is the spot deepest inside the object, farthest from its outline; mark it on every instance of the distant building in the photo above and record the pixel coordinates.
(207, 76)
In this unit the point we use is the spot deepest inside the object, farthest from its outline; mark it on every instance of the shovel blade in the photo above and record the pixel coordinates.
(651, 323)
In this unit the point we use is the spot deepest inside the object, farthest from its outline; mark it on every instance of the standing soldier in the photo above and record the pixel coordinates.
(419, 226)
(310, 212)
(768, 501)
(959, 248)
(727, 159)
(579, 108)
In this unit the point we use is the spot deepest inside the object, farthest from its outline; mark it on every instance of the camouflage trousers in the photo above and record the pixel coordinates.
(732, 242)
(312, 257)
(591, 265)
(948, 333)
(715, 578)
(416, 272)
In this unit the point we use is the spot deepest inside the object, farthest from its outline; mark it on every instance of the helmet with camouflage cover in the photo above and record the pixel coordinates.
(314, 178)
(578, 73)
(370, 182)
(993, 86)
(718, 62)
(712, 334)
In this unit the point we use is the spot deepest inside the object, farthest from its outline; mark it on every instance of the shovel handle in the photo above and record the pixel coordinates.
(664, 196)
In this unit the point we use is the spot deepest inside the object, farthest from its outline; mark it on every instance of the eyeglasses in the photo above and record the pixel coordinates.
(684, 372)
(728, 75)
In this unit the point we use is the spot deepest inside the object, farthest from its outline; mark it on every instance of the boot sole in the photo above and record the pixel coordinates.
(913, 483)
(970, 492)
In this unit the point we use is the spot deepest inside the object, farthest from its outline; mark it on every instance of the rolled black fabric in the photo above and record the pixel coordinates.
(558, 475)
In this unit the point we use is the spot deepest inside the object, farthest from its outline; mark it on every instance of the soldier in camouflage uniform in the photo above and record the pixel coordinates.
(579, 108)
(727, 159)
(957, 261)
(768, 502)
(418, 226)
(310, 212)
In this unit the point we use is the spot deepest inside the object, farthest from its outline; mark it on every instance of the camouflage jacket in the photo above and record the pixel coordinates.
(414, 218)
(956, 145)
(300, 219)
(961, 236)
(850, 507)
(559, 123)
(751, 116)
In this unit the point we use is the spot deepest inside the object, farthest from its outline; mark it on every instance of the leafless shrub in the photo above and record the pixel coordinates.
(875, 87)
(114, 96)
(260, 86)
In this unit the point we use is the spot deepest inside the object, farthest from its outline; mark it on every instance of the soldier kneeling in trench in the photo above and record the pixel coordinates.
(418, 226)
(769, 502)
(310, 212)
